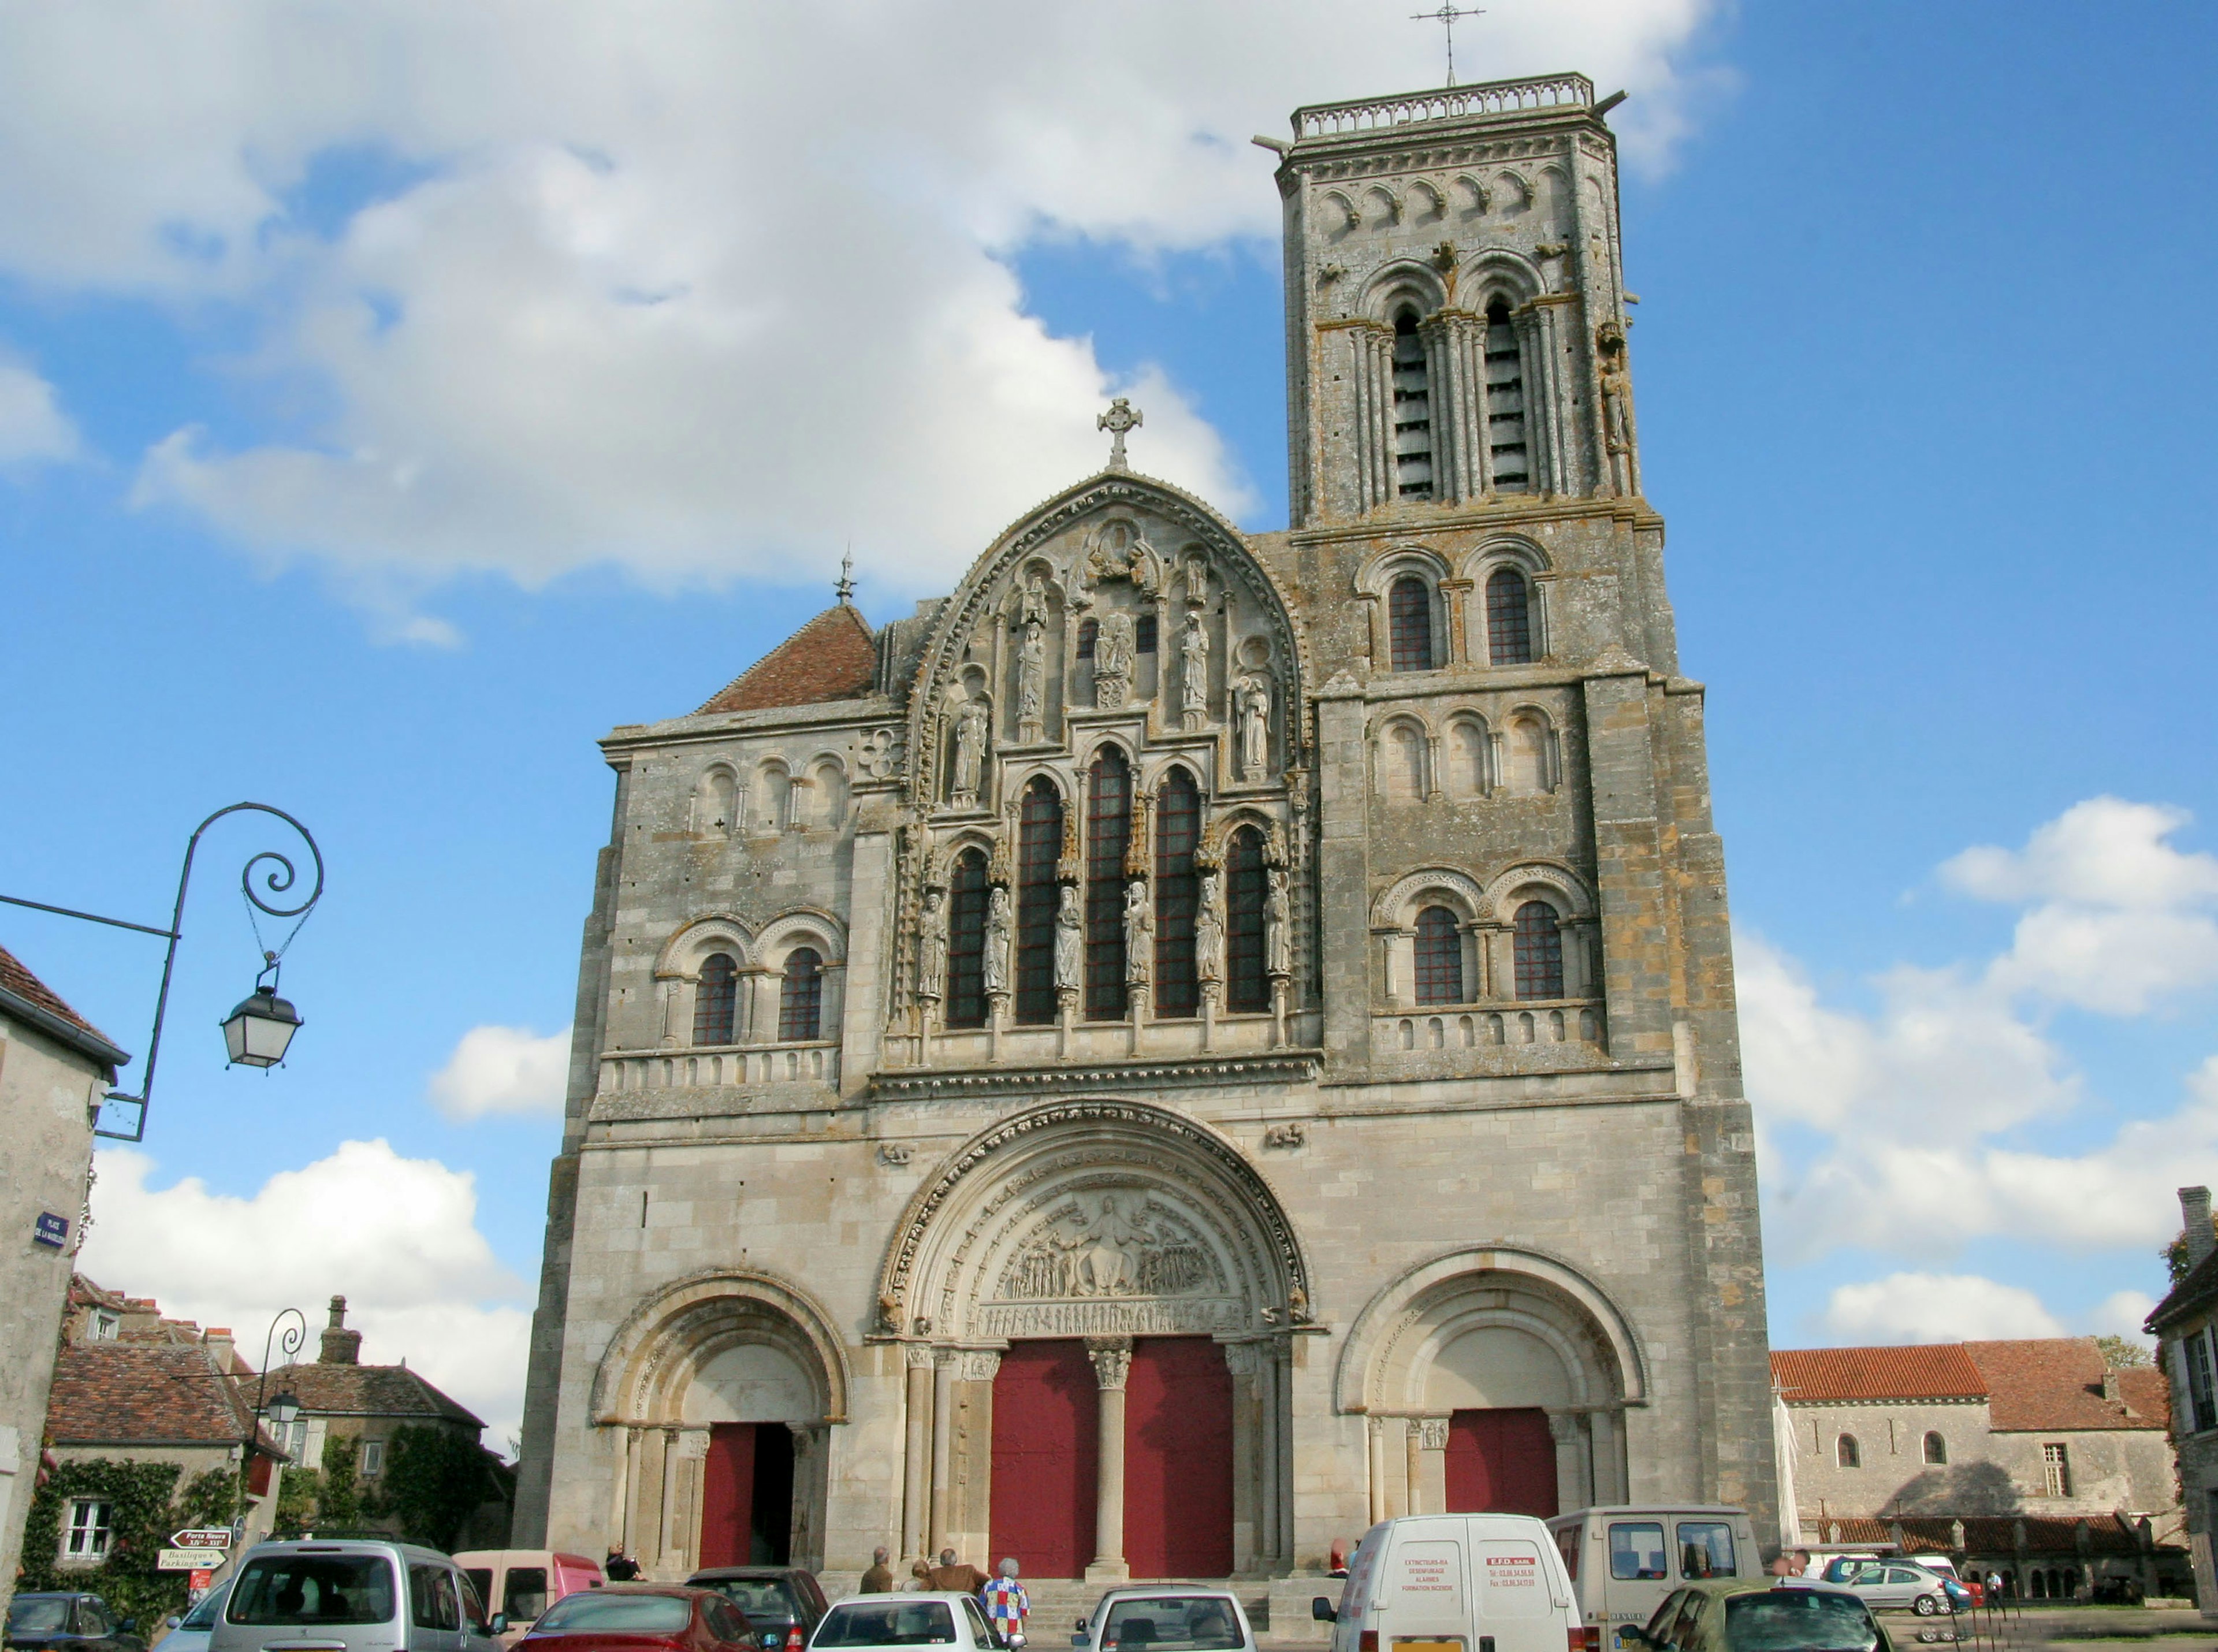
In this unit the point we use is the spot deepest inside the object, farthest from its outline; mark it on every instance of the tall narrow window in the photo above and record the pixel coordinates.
(1039, 841)
(1108, 833)
(2200, 1396)
(1090, 632)
(1178, 895)
(1247, 985)
(1143, 634)
(715, 1000)
(1937, 1449)
(801, 996)
(1845, 1452)
(1509, 618)
(2056, 1469)
(1413, 412)
(1505, 402)
(1409, 624)
(1439, 958)
(966, 943)
(1539, 944)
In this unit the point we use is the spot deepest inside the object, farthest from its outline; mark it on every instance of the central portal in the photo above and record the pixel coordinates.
(1046, 1464)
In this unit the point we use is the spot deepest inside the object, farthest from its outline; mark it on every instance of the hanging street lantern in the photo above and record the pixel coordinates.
(283, 1407)
(258, 1030)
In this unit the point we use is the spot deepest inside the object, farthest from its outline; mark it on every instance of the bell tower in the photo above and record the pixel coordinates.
(1455, 303)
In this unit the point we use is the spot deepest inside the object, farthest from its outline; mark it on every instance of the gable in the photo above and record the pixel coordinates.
(832, 657)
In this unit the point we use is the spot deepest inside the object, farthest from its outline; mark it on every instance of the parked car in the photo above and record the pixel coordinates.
(1900, 1583)
(783, 1597)
(1166, 1617)
(1490, 1580)
(1757, 1615)
(1624, 1560)
(1973, 1587)
(518, 1583)
(643, 1617)
(191, 1631)
(356, 1594)
(69, 1622)
(901, 1623)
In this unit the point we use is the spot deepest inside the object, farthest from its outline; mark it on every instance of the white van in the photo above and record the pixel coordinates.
(1454, 1583)
(1623, 1561)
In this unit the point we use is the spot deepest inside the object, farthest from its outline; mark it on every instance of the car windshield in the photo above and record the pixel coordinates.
(914, 1622)
(1176, 1623)
(758, 1597)
(659, 1614)
(37, 1616)
(202, 1616)
(307, 1589)
(1798, 1620)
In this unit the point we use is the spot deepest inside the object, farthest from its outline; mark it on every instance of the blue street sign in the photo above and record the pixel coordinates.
(52, 1229)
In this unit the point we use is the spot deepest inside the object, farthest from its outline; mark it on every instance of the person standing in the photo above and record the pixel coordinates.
(879, 1579)
(1007, 1605)
(957, 1577)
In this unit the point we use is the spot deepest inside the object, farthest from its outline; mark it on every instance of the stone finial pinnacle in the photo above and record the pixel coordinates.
(844, 586)
(1121, 416)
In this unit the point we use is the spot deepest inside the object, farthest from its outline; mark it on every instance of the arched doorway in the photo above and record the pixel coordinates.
(1096, 1298)
(717, 1397)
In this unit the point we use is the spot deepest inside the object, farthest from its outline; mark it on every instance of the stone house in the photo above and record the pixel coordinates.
(1198, 1040)
(54, 1067)
(2185, 1325)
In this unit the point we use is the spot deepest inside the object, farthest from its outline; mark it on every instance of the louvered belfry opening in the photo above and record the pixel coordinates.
(1108, 834)
(1178, 895)
(1039, 841)
(1409, 625)
(966, 942)
(1413, 412)
(1439, 958)
(1505, 402)
(1247, 987)
(716, 1001)
(1509, 618)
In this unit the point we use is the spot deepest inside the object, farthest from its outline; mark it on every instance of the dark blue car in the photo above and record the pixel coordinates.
(59, 1621)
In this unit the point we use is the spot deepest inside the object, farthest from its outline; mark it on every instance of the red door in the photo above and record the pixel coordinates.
(1500, 1461)
(1178, 1459)
(1046, 1415)
(728, 1494)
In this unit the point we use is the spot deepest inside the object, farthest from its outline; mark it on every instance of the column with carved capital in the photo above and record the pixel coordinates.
(916, 1465)
(1429, 1492)
(943, 1445)
(1113, 1363)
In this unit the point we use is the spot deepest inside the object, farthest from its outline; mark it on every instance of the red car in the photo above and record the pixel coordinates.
(644, 1618)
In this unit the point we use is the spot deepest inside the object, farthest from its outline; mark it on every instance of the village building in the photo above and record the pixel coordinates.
(1198, 1040)
(2185, 1325)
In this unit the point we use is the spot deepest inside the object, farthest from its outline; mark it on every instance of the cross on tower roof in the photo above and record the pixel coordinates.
(1120, 417)
(1445, 16)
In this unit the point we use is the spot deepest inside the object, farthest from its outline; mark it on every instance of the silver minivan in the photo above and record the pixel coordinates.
(351, 1595)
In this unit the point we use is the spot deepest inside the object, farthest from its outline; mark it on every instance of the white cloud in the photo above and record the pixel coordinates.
(2122, 1313)
(32, 427)
(1936, 1308)
(397, 1237)
(696, 289)
(502, 1070)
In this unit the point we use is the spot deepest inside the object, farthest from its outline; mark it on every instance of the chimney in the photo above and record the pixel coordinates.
(341, 1346)
(217, 1341)
(2195, 1212)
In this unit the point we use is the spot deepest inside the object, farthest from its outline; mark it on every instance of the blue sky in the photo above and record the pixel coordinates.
(369, 446)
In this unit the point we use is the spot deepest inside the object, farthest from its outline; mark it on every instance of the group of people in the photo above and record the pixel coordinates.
(1002, 1597)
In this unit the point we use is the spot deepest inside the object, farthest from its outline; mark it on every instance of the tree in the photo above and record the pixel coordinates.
(2123, 1354)
(434, 1481)
(298, 1493)
(338, 1502)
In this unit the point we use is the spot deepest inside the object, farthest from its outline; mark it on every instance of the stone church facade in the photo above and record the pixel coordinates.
(1197, 1041)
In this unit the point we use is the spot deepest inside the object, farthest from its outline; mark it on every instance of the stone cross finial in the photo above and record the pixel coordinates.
(1120, 417)
(845, 585)
(1445, 16)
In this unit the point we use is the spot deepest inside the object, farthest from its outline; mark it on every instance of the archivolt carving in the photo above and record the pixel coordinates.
(696, 938)
(691, 1319)
(1544, 875)
(1393, 906)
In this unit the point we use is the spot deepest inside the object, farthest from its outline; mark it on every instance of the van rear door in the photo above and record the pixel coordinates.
(1425, 1591)
(1519, 1604)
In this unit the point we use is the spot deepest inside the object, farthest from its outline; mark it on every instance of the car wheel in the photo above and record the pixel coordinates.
(1925, 1606)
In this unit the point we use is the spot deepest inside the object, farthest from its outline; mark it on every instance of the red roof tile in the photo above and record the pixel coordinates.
(1985, 1535)
(2055, 1383)
(830, 658)
(19, 980)
(1939, 1371)
(144, 1393)
(332, 1389)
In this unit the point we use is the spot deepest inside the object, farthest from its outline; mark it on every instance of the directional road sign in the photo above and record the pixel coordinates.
(188, 1560)
(202, 1537)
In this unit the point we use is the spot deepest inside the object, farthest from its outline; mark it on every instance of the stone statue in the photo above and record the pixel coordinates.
(1277, 927)
(1031, 676)
(1209, 932)
(932, 947)
(1139, 933)
(1251, 701)
(1070, 942)
(998, 926)
(1193, 673)
(1112, 662)
(1034, 611)
(970, 750)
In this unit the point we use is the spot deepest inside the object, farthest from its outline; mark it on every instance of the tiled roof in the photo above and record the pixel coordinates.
(45, 1006)
(145, 1394)
(2056, 1383)
(1938, 1370)
(346, 1390)
(1990, 1536)
(830, 658)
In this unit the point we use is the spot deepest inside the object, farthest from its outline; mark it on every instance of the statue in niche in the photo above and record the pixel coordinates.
(1034, 609)
(998, 926)
(1139, 933)
(1031, 678)
(1616, 401)
(1209, 932)
(1112, 662)
(1193, 673)
(1277, 927)
(931, 946)
(970, 751)
(1251, 707)
(1070, 942)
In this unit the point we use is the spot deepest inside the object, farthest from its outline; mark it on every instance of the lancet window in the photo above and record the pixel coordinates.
(1409, 624)
(966, 942)
(1247, 985)
(1439, 958)
(1089, 633)
(1143, 634)
(1039, 841)
(1505, 402)
(1413, 412)
(716, 1001)
(1108, 834)
(1178, 895)
(801, 996)
(1538, 943)
(1509, 618)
